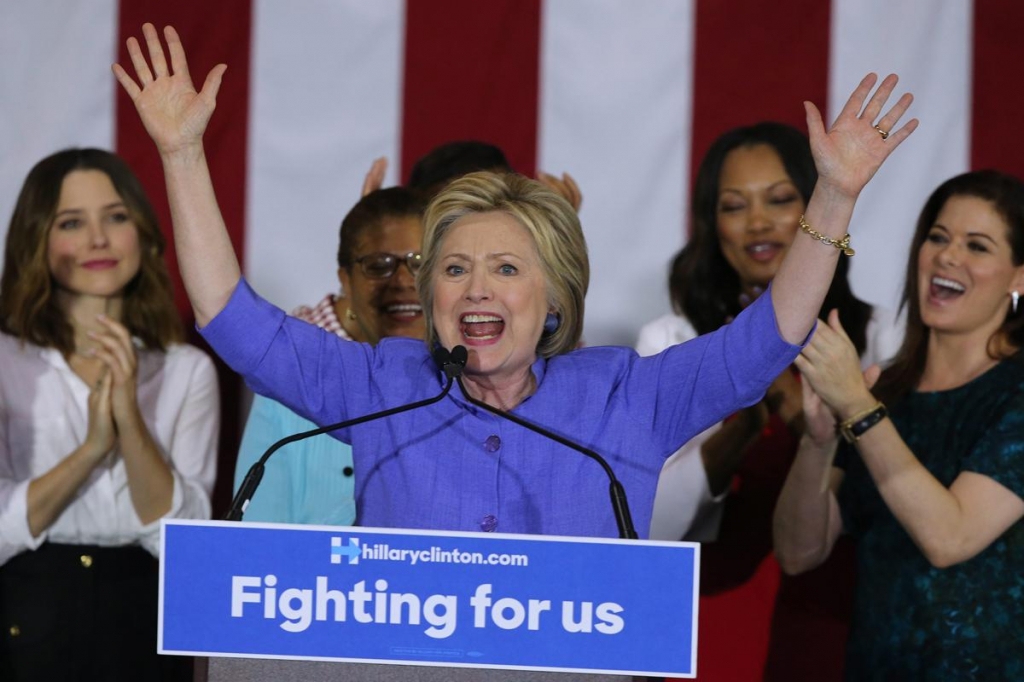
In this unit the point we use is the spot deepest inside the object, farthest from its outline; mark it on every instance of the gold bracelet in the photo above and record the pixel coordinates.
(841, 244)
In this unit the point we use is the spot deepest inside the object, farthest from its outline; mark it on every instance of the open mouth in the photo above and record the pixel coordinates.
(944, 289)
(404, 311)
(481, 327)
(763, 251)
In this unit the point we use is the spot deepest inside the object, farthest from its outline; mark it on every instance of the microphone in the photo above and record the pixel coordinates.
(620, 507)
(443, 359)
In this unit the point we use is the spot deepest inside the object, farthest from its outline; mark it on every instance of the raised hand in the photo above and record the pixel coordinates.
(174, 114)
(831, 367)
(849, 153)
(565, 187)
(374, 179)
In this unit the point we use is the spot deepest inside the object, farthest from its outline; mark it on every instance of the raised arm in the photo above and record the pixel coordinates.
(949, 525)
(175, 116)
(847, 156)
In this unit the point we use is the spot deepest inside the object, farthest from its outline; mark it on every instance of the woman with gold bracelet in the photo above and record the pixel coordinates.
(929, 477)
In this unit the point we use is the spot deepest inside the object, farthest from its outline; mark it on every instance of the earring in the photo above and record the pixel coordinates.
(1014, 298)
(551, 322)
(349, 315)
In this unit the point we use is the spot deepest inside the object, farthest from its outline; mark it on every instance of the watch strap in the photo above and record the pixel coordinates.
(857, 425)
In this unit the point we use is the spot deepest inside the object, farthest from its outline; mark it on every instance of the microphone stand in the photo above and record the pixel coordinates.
(255, 474)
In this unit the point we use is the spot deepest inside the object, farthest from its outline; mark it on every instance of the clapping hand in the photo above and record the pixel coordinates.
(117, 352)
(833, 381)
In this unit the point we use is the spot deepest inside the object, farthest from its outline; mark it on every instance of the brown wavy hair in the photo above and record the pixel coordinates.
(29, 309)
(1005, 194)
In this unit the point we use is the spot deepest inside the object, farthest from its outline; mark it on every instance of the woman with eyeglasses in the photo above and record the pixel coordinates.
(378, 258)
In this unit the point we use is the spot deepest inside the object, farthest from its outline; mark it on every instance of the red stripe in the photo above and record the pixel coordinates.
(996, 102)
(212, 32)
(754, 61)
(757, 61)
(471, 72)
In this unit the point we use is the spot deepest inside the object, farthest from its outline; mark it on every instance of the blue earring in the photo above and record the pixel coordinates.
(551, 323)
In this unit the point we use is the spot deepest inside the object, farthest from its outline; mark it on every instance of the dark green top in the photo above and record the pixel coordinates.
(966, 622)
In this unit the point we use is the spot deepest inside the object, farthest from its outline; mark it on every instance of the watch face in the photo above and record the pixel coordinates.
(852, 431)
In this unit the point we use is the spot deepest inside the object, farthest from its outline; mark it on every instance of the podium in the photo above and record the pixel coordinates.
(281, 602)
(239, 669)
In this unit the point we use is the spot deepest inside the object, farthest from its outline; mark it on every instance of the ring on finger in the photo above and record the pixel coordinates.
(883, 133)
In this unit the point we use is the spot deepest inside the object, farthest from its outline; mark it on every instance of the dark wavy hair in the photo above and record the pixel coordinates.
(1005, 193)
(703, 286)
(28, 307)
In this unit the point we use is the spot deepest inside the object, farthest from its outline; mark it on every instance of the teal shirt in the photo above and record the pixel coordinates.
(913, 621)
(310, 481)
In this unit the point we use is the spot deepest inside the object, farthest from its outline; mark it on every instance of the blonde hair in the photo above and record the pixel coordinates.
(551, 222)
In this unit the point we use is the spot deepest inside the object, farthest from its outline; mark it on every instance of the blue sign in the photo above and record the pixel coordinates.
(429, 598)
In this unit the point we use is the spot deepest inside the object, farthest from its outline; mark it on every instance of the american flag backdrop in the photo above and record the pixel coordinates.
(624, 95)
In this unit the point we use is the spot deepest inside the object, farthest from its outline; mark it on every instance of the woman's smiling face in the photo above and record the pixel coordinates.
(758, 212)
(965, 268)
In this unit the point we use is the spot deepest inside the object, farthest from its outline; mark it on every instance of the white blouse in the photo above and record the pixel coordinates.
(683, 505)
(44, 418)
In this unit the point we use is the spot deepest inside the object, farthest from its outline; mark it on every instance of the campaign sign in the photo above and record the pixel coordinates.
(428, 598)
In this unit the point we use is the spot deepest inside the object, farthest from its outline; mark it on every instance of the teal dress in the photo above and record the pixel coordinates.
(966, 622)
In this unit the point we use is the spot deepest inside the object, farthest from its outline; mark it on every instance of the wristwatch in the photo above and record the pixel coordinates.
(856, 426)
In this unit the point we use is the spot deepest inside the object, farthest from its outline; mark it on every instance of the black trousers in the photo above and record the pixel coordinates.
(81, 612)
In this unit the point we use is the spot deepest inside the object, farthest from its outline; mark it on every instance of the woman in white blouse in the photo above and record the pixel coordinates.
(108, 423)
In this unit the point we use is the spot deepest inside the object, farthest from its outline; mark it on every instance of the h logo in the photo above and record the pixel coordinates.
(352, 551)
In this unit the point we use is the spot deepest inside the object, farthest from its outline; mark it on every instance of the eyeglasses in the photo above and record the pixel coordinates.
(383, 265)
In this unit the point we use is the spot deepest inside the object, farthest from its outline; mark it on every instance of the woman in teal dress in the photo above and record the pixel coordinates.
(929, 479)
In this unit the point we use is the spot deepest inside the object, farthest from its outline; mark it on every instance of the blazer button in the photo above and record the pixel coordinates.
(86, 560)
(15, 631)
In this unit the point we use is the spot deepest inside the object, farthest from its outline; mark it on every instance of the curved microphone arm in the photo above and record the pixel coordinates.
(620, 507)
(255, 475)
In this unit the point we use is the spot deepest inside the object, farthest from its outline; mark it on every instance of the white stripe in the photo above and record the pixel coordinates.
(57, 88)
(325, 102)
(929, 45)
(616, 82)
